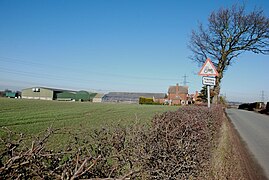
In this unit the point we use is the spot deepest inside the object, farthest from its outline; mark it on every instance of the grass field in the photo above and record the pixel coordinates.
(34, 116)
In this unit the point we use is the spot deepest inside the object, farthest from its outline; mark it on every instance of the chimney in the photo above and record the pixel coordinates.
(177, 89)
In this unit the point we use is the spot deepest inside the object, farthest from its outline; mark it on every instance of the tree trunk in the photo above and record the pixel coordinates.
(217, 88)
(216, 94)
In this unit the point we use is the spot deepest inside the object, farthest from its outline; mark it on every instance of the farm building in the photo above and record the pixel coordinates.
(127, 97)
(84, 96)
(98, 98)
(66, 96)
(10, 94)
(42, 93)
(45, 93)
(75, 96)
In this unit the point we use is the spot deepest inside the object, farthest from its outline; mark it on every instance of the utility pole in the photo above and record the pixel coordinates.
(185, 80)
(262, 98)
(208, 96)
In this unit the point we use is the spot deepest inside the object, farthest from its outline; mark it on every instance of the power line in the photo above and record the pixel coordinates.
(73, 69)
(78, 80)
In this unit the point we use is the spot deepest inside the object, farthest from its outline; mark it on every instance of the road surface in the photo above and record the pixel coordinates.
(254, 130)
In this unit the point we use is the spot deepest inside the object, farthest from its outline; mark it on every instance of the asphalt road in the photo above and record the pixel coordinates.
(254, 130)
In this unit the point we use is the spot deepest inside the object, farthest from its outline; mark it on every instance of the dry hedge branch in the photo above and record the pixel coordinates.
(176, 146)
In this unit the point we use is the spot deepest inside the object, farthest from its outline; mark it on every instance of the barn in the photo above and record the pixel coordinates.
(84, 96)
(66, 96)
(42, 93)
(130, 97)
(98, 97)
(12, 94)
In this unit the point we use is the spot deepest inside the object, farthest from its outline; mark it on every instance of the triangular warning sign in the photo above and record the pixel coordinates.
(208, 69)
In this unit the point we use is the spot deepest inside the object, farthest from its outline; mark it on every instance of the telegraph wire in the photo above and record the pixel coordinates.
(77, 72)
(66, 79)
(41, 65)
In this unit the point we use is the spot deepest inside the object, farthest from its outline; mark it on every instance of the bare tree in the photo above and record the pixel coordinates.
(230, 32)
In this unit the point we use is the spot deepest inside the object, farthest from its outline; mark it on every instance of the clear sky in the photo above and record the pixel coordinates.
(116, 45)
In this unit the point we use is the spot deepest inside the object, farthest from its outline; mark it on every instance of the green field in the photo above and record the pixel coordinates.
(34, 116)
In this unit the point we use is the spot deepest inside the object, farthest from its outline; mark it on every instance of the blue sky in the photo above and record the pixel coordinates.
(116, 45)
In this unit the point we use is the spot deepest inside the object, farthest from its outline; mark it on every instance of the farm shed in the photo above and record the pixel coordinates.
(128, 97)
(66, 96)
(11, 94)
(98, 98)
(84, 96)
(42, 93)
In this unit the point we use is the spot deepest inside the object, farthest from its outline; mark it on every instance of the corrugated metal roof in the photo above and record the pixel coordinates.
(98, 95)
(135, 95)
(52, 89)
(131, 96)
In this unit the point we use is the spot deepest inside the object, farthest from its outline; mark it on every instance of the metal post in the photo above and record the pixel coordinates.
(208, 96)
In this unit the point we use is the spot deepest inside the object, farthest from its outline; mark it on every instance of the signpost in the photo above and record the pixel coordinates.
(210, 81)
(208, 71)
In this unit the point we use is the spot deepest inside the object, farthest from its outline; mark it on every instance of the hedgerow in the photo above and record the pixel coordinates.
(143, 100)
(177, 145)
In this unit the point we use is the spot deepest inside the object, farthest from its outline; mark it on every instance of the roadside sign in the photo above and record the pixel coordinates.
(210, 81)
(208, 69)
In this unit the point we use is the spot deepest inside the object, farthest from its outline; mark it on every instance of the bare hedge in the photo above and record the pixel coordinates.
(177, 145)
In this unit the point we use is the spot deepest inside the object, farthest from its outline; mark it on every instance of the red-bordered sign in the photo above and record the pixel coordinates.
(208, 69)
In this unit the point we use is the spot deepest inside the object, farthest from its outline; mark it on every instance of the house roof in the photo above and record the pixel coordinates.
(181, 89)
(98, 95)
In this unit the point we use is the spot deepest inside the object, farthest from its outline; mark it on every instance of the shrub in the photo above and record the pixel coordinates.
(98, 155)
(251, 106)
(176, 146)
(149, 101)
(143, 100)
(243, 106)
